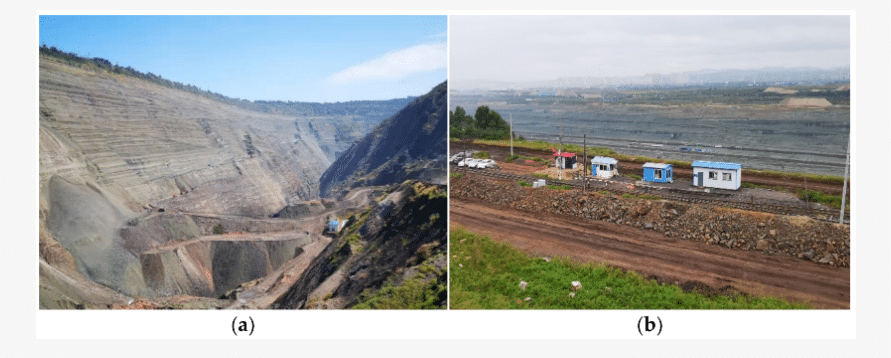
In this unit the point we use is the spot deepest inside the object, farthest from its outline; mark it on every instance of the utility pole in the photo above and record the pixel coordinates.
(465, 155)
(841, 215)
(560, 152)
(511, 134)
(807, 195)
(585, 163)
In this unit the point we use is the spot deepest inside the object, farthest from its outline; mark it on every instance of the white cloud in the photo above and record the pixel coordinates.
(396, 65)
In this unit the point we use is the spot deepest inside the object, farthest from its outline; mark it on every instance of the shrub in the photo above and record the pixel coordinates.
(218, 230)
(481, 155)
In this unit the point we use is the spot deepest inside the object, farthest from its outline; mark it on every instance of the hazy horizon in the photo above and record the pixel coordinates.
(522, 49)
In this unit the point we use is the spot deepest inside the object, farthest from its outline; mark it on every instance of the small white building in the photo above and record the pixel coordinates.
(604, 167)
(564, 160)
(717, 175)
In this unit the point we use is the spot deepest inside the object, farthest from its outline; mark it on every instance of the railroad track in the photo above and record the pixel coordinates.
(674, 194)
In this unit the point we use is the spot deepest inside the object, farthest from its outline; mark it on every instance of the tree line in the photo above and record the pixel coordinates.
(486, 124)
(365, 108)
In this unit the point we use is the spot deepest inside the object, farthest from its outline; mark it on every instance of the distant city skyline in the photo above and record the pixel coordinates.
(535, 49)
(285, 58)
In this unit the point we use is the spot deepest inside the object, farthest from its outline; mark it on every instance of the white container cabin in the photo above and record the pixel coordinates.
(717, 175)
(604, 167)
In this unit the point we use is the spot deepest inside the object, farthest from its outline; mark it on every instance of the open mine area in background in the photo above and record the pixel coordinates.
(758, 127)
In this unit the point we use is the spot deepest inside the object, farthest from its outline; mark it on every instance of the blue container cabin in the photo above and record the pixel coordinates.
(658, 173)
(332, 226)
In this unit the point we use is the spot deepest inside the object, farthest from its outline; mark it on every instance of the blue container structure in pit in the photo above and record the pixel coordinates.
(658, 172)
(332, 226)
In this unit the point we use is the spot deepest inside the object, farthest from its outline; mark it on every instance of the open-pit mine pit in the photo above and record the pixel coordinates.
(156, 197)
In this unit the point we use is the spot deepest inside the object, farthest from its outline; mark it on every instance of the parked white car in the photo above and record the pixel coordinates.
(486, 163)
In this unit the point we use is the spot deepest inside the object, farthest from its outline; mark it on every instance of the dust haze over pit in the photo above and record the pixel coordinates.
(539, 48)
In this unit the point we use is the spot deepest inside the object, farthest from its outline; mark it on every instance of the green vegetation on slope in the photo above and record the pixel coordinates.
(486, 275)
(419, 292)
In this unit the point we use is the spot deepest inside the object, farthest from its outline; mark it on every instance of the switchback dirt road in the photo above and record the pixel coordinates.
(654, 254)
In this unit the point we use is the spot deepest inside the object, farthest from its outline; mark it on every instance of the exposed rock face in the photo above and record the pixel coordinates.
(409, 145)
(148, 143)
(798, 236)
(114, 148)
(209, 268)
(390, 242)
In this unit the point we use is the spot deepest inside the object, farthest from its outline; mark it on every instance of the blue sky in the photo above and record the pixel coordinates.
(297, 58)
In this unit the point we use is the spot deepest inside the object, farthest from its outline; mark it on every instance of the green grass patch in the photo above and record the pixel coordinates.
(218, 230)
(455, 175)
(430, 191)
(822, 198)
(481, 155)
(512, 158)
(558, 187)
(412, 294)
(540, 175)
(635, 176)
(355, 243)
(359, 222)
(490, 273)
(546, 146)
(816, 178)
(523, 183)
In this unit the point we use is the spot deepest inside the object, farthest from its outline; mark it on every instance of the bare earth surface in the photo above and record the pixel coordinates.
(654, 254)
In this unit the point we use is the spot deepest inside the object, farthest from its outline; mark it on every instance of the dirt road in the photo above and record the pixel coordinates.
(653, 254)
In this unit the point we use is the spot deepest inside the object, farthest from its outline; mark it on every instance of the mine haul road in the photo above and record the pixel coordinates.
(653, 254)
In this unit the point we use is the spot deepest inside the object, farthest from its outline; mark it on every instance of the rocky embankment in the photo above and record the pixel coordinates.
(802, 237)
(409, 145)
(401, 239)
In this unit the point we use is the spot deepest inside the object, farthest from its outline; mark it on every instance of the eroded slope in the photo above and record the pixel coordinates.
(410, 145)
